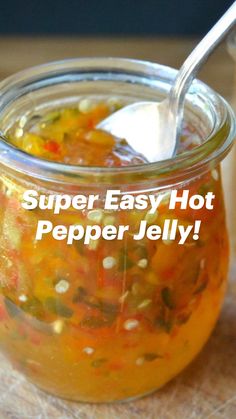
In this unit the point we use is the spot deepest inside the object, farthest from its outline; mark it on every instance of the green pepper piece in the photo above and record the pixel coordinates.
(164, 324)
(55, 306)
(125, 262)
(108, 308)
(80, 247)
(151, 356)
(200, 288)
(51, 117)
(167, 298)
(98, 362)
(80, 295)
(204, 188)
(33, 306)
(94, 322)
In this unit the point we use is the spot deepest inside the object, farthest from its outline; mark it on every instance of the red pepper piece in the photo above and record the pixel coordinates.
(116, 365)
(52, 146)
(91, 123)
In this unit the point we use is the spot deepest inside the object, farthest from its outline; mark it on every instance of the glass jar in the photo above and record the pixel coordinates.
(110, 320)
(229, 163)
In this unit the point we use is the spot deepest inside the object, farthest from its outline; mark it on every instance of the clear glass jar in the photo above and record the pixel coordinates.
(229, 163)
(120, 327)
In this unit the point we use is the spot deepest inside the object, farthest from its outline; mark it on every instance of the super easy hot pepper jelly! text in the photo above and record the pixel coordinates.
(114, 200)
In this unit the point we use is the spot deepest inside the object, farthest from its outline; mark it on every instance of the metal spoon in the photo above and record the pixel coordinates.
(152, 128)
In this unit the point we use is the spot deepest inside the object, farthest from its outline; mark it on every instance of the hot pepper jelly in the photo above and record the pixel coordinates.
(106, 320)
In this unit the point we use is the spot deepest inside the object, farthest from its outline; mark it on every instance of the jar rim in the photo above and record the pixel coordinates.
(184, 165)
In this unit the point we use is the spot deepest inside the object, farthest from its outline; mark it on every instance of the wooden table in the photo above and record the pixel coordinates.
(207, 388)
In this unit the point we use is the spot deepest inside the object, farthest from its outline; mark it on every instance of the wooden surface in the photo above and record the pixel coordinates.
(207, 388)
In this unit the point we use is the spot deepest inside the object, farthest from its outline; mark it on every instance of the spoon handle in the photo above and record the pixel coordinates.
(198, 56)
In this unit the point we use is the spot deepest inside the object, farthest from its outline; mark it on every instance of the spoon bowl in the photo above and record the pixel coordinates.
(143, 125)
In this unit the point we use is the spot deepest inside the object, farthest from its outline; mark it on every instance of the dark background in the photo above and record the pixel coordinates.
(119, 17)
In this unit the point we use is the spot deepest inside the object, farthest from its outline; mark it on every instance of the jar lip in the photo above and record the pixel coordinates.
(187, 163)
